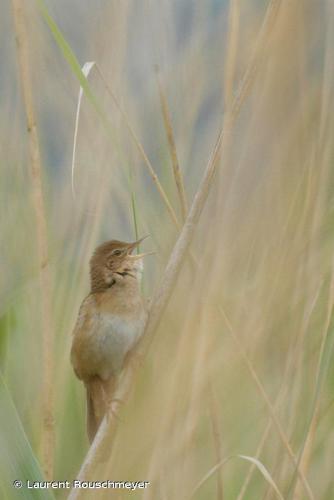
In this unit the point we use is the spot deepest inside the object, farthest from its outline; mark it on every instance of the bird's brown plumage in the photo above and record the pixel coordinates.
(110, 322)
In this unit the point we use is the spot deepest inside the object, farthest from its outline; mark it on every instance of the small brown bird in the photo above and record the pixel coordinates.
(111, 321)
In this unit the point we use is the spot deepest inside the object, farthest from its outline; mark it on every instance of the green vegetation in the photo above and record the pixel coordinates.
(235, 398)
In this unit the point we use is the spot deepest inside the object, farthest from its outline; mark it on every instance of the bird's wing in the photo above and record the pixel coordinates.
(87, 309)
(99, 390)
(84, 323)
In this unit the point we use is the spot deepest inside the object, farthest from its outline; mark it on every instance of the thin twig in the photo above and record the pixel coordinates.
(179, 252)
(41, 233)
(172, 147)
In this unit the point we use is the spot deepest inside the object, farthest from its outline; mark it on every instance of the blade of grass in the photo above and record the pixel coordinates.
(264, 472)
(269, 405)
(140, 150)
(325, 354)
(75, 66)
(252, 68)
(17, 459)
(253, 460)
(86, 69)
(48, 445)
(214, 418)
(232, 46)
(134, 208)
(72, 61)
(283, 389)
(172, 146)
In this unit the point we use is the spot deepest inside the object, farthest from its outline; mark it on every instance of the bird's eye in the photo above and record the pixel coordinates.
(116, 252)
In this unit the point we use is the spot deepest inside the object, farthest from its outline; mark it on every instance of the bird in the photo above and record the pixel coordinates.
(111, 321)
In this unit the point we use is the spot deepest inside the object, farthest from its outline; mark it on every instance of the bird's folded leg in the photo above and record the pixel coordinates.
(109, 387)
(113, 409)
(134, 359)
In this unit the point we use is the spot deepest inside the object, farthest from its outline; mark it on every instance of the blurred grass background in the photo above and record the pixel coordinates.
(264, 245)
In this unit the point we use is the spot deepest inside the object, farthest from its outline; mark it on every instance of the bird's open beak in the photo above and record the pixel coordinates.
(140, 255)
(134, 245)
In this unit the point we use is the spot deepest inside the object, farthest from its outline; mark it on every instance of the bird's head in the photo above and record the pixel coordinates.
(113, 262)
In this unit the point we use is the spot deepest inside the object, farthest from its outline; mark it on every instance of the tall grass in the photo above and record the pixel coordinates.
(44, 293)
(234, 398)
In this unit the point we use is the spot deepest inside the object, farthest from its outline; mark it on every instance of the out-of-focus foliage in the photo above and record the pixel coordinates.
(17, 459)
(264, 245)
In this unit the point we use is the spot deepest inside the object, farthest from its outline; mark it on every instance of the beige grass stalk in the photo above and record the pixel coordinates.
(172, 147)
(217, 440)
(168, 281)
(41, 234)
(159, 459)
(231, 55)
(141, 151)
(306, 457)
(288, 373)
(306, 452)
(270, 407)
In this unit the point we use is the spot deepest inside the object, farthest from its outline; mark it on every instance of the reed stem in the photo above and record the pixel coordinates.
(47, 444)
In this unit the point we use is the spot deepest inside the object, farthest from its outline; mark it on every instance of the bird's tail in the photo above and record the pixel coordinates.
(91, 422)
(99, 394)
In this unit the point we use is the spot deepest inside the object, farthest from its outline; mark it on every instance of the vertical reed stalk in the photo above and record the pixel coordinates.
(270, 407)
(306, 448)
(231, 55)
(288, 374)
(172, 147)
(141, 151)
(217, 441)
(41, 234)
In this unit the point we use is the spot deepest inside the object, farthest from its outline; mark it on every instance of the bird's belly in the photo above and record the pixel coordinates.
(112, 340)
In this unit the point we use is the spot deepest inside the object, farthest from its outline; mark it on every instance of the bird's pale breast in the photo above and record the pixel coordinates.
(103, 337)
(115, 337)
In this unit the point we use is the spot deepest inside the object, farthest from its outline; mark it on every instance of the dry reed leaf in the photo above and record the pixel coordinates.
(265, 473)
(86, 69)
